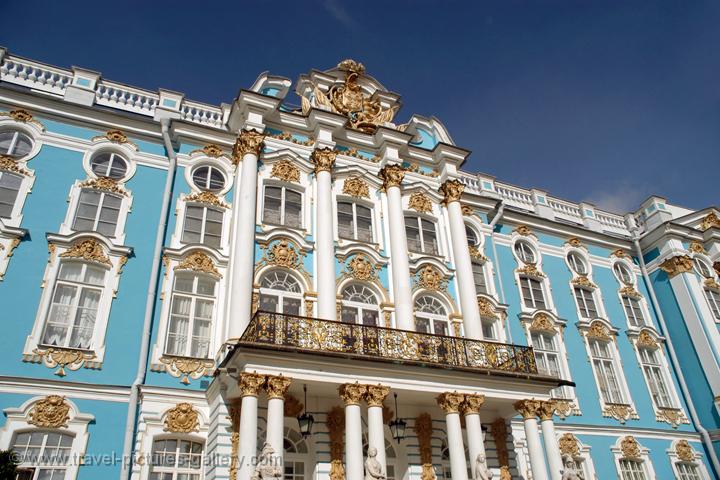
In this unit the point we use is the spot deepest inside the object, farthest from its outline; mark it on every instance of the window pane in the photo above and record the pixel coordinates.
(86, 212)
(413, 234)
(364, 224)
(271, 205)
(429, 237)
(9, 188)
(479, 277)
(293, 208)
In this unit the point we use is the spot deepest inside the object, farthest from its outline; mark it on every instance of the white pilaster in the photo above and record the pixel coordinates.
(529, 409)
(376, 428)
(250, 385)
(473, 428)
(450, 404)
(324, 242)
(555, 464)
(352, 394)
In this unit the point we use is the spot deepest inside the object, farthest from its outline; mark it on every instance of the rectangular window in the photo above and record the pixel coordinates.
(632, 470)
(479, 276)
(421, 235)
(532, 292)
(688, 471)
(74, 306)
(355, 221)
(713, 299)
(9, 188)
(191, 313)
(633, 310)
(586, 303)
(97, 211)
(42, 453)
(657, 383)
(489, 329)
(547, 358)
(606, 371)
(203, 225)
(282, 206)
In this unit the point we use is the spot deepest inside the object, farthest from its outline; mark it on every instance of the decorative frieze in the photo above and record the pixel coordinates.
(356, 187)
(182, 418)
(677, 265)
(50, 412)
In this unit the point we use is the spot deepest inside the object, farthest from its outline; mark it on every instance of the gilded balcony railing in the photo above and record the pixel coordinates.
(290, 332)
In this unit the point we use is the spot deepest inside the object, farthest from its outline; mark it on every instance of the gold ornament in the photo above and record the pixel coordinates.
(476, 254)
(629, 291)
(619, 253)
(283, 254)
(646, 339)
(20, 115)
(356, 187)
(64, 358)
(523, 230)
(467, 210)
(182, 418)
(569, 445)
(186, 368)
(286, 171)
(50, 412)
(234, 412)
(711, 220)
(248, 142)
(696, 247)
(391, 176)
(375, 395)
(352, 393)
(116, 136)
(335, 424)
(709, 283)
(673, 416)
(575, 242)
(288, 137)
(598, 331)
(89, 250)
(486, 308)
(630, 447)
(276, 386)
(542, 323)
(716, 267)
(531, 270)
(563, 408)
(9, 164)
(423, 432)
(450, 402)
(430, 278)
(324, 159)
(547, 410)
(208, 198)
(583, 281)
(472, 403)
(361, 268)
(528, 408)
(676, 265)
(620, 412)
(420, 202)
(685, 451)
(212, 150)
(498, 429)
(198, 262)
(292, 407)
(105, 184)
(250, 384)
(451, 191)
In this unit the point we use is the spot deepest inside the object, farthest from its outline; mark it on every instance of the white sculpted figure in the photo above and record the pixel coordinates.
(482, 472)
(373, 469)
(570, 472)
(266, 468)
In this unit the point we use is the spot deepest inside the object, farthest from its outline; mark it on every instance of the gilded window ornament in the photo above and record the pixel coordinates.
(450, 402)
(89, 250)
(324, 159)
(208, 198)
(569, 445)
(211, 150)
(182, 418)
(356, 187)
(50, 412)
(583, 281)
(575, 242)
(598, 331)
(288, 137)
(523, 230)
(116, 136)
(467, 210)
(335, 423)
(630, 447)
(248, 142)
(472, 403)
(423, 432)
(696, 247)
(375, 395)
(198, 262)
(619, 411)
(685, 451)
(276, 386)
(646, 340)
(361, 268)
(529, 409)
(186, 368)
(498, 429)
(712, 284)
(542, 323)
(292, 407)
(352, 393)
(105, 184)
(22, 116)
(676, 265)
(486, 308)
(672, 416)
(283, 254)
(711, 220)
(531, 270)
(476, 254)
(285, 171)
(451, 191)
(420, 202)
(629, 290)
(620, 253)
(564, 408)
(391, 176)
(430, 278)
(64, 359)
(9, 164)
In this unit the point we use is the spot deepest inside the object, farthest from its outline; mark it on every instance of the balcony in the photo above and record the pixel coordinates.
(324, 337)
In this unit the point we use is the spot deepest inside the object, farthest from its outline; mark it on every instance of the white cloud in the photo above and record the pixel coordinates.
(621, 197)
(337, 10)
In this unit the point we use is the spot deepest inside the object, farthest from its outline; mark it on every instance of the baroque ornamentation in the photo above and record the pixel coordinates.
(583, 281)
(335, 424)
(276, 386)
(430, 278)
(283, 254)
(676, 265)
(486, 308)
(324, 159)
(50, 412)
(498, 429)
(630, 447)
(563, 408)
(9, 164)
(105, 184)
(288, 137)
(64, 358)
(250, 384)
(186, 368)
(646, 339)
(620, 253)
(531, 270)
(630, 291)
(292, 407)
(528, 408)
(361, 268)
(619, 411)
(116, 136)
(207, 197)
(569, 445)
(547, 410)
(356, 187)
(711, 220)
(575, 242)
(420, 202)
(212, 150)
(673, 416)
(375, 395)
(286, 171)
(249, 141)
(423, 432)
(450, 402)
(467, 210)
(451, 191)
(391, 176)
(685, 451)
(182, 418)
(19, 115)
(712, 284)
(696, 247)
(472, 404)
(89, 250)
(542, 323)
(198, 262)
(476, 254)
(352, 393)
(523, 230)
(598, 331)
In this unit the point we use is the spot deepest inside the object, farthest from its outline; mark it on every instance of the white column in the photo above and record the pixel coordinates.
(276, 386)
(352, 394)
(473, 428)
(529, 409)
(376, 428)
(242, 258)
(450, 404)
(392, 176)
(555, 464)
(324, 241)
(250, 384)
(452, 190)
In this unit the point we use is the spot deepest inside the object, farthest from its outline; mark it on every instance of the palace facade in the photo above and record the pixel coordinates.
(193, 287)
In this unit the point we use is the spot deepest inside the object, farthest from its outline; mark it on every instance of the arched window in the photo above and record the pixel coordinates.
(10, 184)
(296, 455)
(97, 211)
(525, 252)
(577, 263)
(354, 221)
(208, 178)
(15, 144)
(176, 459)
(74, 306)
(109, 164)
(280, 293)
(282, 206)
(431, 316)
(191, 315)
(623, 273)
(472, 237)
(359, 305)
(42, 454)
(421, 235)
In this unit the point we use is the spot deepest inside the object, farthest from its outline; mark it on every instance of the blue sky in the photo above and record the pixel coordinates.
(605, 101)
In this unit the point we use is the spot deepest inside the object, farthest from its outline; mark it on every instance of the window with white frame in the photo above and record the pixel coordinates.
(280, 292)
(656, 377)
(208, 178)
(547, 357)
(702, 267)
(421, 235)
(525, 252)
(577, 263)
(431, 316)
(623, 273)
(74, 306)
(109, 164)
(359, 305)
(532, 292)
(355, 221)
(478, 269)
(472, 237)
(295, 459)
(688, 471)
(634, 311)
(97, 211)
(631, 469)
(489, 328)
(585, 302)
(176, 459)
(10, 184)
(43, 455)
(203, 224)
(15, 144)
(713, 298)
(282, 206)
(191, 315)
(604, 364)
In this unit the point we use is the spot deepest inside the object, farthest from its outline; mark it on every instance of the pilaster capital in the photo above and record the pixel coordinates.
(450, 402)
(324, 159)
(249, 141)
(276, 386)
(391, 176)
(352, 393)
(528, 408)
(451, 191)
(547, 410)
(676, 265)
(376, 394)
(472, 403)
(250, 384)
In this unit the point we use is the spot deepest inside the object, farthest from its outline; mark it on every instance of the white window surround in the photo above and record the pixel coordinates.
(221, 163)
(102, 145)
(187, 200)
(435, 313)
(374, 213)
(643, 459)
(697, 462)
(17, 421)
(305, 210)
(35, 132)
(9, 240)
(630, 269)
(116, 256)
(424, 219)
(629, 289)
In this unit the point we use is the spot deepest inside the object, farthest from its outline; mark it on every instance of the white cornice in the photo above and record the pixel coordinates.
(86, 391)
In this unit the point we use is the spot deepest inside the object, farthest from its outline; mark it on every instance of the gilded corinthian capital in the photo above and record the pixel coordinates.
(324, 159)
(452, 190)
(249, 141)
(391, 175)
(547, 410)
(472, 404)
(376, 394)
(250, 384)
(276, 386)
(352, 393)
(450, 402)
(528, 408)
(676, 265)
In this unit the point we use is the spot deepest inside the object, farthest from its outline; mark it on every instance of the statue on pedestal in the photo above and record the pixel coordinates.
(373, 469)
(266, 468)
(570, 472)
(482, 472)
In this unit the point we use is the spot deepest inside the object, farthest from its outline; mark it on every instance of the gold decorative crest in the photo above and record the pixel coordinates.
(598, 331)
(676, 265)
(523, 230)
(105, 184)
(208, 198)
(198, 262)
(420, 202)
(430, 278)
(647, 340)
(50, 412)
(620, 253)
(212, 150)
(249, 141)
(711, 220)
(361, 268)
(89, 250)
(531, 270)
(629, 290)
(356, 187)
(283, 254)
(542, 323)
(64, 358)
(569, 445)
(116, 136)
(697, 247)
(619, 411)
(182, 418)
(685, 451)
(286, 171)
(451, 191)
(575, 242)
(486, 308)
(583, 281)
(186, 368)
(673, 416)
(630, 447)
(467, 210)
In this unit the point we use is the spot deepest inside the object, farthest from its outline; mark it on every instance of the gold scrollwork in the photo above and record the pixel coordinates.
(105, 184)
(531, 270)
(542, 323)
(673, 416)
(487, 310)
(182, 418)
(361, 268)
(619, 411)
(711, 220)
(50, 412)
(523, 230)
(430, 278)
(467, 210)
(677, 265)
(685, 451)
(451, 191)
(569, 445)
(696, 247)
(89, 250)
(186, 368)
(391, 176)
(583, 281)
(288, 137)
(286, 171)
(420, 202)
(11, 165)
(356, 187)
(324, 159)
(647, 340)
(198, 262)
(598, 331)
(64, 359)
(575, 242)
(629, 290)
(249, 141)
(208, 198)
(476, 254)
(630, 447)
